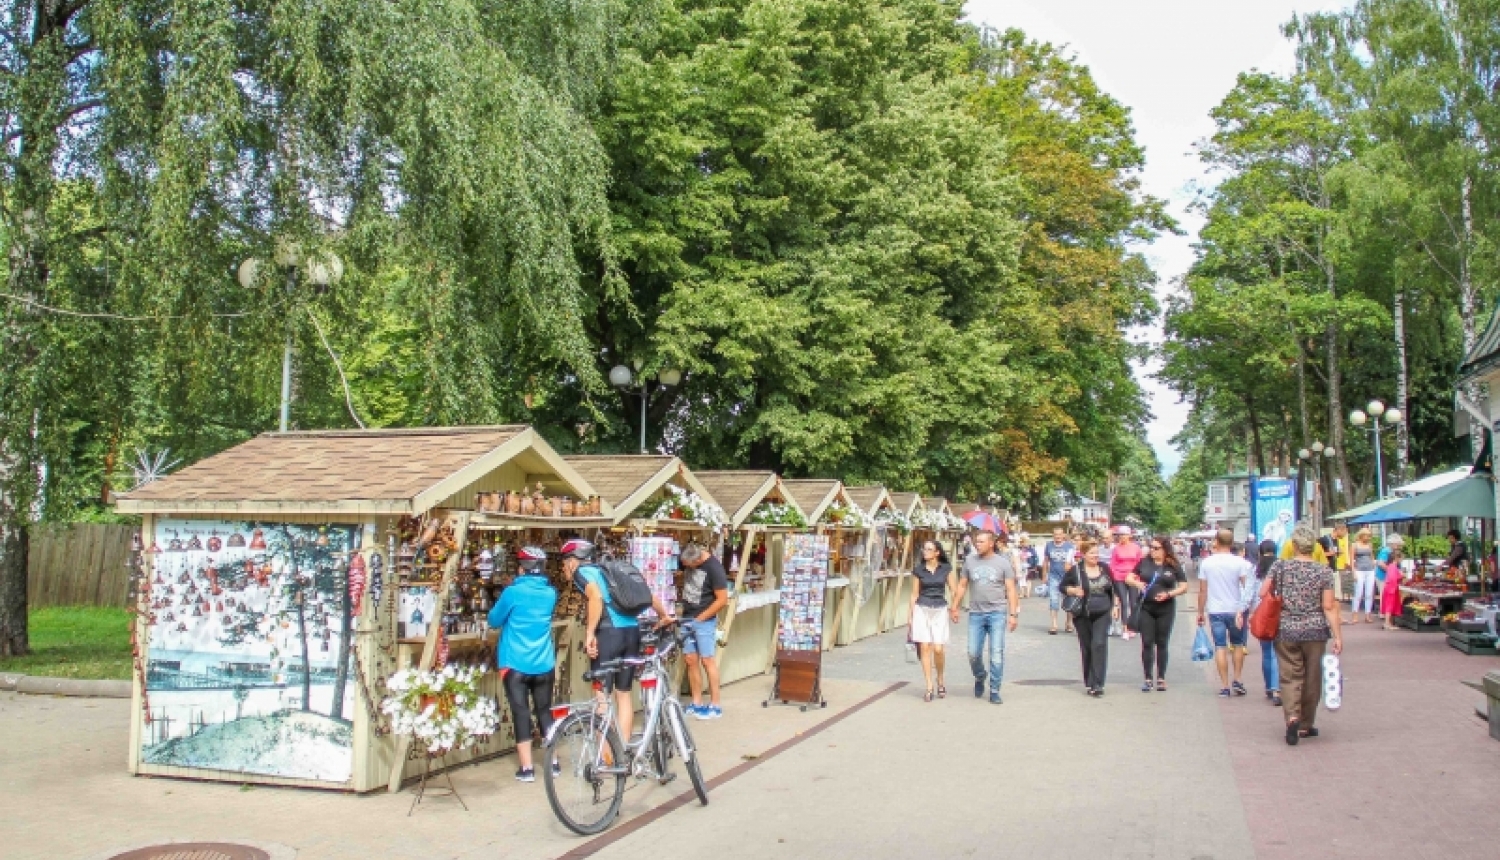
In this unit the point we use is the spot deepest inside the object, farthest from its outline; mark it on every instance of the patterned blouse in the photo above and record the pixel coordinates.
(1301, 585)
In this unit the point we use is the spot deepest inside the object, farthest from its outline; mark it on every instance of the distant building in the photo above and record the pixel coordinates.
(1227, 505)
(1081, 510)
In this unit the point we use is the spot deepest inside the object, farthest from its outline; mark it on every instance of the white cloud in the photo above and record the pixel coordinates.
(1170, 61)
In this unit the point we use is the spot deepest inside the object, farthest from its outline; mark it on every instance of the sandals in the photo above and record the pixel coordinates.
(942, 692)
(1310, 732)
(927, 696)
(1052, 632)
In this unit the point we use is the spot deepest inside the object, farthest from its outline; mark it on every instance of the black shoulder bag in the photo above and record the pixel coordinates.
(1077, 605)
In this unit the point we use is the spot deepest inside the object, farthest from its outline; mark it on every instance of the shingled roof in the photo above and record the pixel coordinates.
(814, 495)
(906, 503)
(405, 471)
(628, 481)
(738, 492)
(936, 503)
(870, 499)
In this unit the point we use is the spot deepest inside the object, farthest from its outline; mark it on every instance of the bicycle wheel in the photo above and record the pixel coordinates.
(584, 800)
(690, 760)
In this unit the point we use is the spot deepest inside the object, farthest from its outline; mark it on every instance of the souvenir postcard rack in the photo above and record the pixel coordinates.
(799, 634)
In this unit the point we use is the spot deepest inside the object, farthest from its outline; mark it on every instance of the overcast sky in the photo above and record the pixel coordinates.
(1170, 61)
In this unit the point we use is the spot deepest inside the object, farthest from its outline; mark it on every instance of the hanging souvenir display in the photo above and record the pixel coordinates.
(356, 581)
(258, 541)
(377, 578)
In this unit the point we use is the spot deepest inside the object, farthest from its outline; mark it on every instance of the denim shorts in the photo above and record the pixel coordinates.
(702, 637)
(1225, 634)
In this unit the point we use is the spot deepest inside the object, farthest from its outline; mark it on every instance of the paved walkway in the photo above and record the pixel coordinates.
(1051, 773)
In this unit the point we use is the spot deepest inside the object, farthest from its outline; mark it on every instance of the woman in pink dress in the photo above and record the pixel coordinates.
(1390, 595)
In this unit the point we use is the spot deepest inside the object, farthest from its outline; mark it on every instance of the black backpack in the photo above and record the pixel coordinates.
(628, 592)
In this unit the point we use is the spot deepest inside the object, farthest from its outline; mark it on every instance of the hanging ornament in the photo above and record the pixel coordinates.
(220, 606)
(486, 565)
(322, 535)
(356, 577)
(258, 540)
(377, 578)
(197, 611)
(175, 544)
(442, 650)
(135, 542)
(181, 627)
(214, 544)
(236, 541)
(195, 545)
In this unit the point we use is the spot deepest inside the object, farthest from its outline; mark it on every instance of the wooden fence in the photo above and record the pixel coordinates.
(79, 564)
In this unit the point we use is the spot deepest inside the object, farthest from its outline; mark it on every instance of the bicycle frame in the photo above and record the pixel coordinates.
(654, 700)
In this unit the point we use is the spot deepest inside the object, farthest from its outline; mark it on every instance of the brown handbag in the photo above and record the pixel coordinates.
(1266, 622)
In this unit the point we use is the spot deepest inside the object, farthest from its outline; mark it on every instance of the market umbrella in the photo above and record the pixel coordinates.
(983, 520)
(1360, 511)
(1474, 496)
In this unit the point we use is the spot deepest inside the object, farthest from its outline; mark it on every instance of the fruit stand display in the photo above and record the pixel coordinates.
(759, 513)
(1425, 602)
(865, 557)
(286, 580)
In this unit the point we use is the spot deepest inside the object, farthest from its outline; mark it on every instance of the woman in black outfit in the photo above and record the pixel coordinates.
(1160, 580)
(1091, 581)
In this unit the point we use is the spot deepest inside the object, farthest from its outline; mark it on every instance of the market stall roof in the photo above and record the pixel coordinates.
(1483, 357)
(402, 471)
(1474, 496)
(1368, 508)
(937, 503)
(870, 499)
(815, 495)
(907, 503)
(1433, 482)
(739, 492)
(628, 481)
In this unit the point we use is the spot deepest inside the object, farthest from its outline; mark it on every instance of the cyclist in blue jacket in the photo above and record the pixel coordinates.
(527, 659)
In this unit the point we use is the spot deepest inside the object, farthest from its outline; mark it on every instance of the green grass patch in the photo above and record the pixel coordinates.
(89, 642)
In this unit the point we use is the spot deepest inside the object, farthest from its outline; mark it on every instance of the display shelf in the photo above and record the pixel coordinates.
(489, 522)
(840, 582)
(756, 599)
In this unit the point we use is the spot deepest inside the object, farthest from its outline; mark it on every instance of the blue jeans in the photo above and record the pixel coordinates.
(1054, 591)
(1268, 665)
(993, 625)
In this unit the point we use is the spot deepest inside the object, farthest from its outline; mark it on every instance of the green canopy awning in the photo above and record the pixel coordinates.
(1474, 496)
(1360, 511)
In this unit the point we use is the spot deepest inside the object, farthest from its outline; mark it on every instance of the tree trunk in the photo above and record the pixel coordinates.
(346, 644)
(1467, 301)
(1403, 441)
(1335, 386)
(1258, 451)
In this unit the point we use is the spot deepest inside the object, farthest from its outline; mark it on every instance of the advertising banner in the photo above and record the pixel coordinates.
(1273, 509)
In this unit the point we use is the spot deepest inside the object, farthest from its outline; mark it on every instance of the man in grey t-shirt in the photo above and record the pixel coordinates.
(988, 577)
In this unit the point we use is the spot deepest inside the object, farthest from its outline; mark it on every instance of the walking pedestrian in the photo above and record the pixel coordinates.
(705, 591)
(1390, 594)
(1363, 554)
(1221, 605)
(993, 603)
(1122, 563)
(1309, 620)
(1160, 580)
(1269, 669)
(1030, 563)
(929, 615)
(1059, 555)
(1090, 580)
(526, 657)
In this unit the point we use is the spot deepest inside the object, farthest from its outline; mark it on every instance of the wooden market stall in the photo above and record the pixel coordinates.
(759, 512)
(290, 576)
(830, 512)
(864, 558)
(896, 582)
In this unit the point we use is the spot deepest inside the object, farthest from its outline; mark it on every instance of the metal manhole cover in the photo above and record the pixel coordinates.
(195, 851)
(1047, 682)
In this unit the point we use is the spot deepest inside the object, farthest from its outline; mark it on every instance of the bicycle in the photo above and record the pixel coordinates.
(586, 782)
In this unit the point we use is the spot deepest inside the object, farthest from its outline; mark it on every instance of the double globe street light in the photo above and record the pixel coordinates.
(1376, 411)
(1314, 459)
(621, 378)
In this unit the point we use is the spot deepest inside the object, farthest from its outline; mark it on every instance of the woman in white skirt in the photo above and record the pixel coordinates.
(929, 615)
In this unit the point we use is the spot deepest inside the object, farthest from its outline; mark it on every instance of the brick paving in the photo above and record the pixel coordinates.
(1051, 773)
(1403, 770)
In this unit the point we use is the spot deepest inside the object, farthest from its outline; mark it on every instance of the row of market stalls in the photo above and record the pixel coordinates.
(283, 581)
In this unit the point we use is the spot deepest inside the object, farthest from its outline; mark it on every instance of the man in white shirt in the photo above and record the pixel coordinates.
(1222, 578)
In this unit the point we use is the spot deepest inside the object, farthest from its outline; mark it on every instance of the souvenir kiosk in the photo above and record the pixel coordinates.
(896, 580)
(830, 512)
(287, 578)
(760, 512)
(863, 556)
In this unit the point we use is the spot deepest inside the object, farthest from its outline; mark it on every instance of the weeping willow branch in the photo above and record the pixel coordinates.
(343, 380)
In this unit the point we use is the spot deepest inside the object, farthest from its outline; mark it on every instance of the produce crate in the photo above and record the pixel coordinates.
(1473, 643)
(1412, 622)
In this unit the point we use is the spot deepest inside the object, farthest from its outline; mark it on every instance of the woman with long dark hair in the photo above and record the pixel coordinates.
(929, 615)
(1090, 581)
(1270, 670)
(1159, 579)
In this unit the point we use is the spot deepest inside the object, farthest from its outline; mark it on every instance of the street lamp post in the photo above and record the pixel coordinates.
(621, 378)
(1392, 416)
(1314, 458)
(321, 270)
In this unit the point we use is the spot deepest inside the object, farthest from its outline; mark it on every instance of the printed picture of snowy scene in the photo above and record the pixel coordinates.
(248, 670)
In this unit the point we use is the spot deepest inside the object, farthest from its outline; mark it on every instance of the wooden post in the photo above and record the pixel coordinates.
(752, 533)
(429, 648)
(142, 632)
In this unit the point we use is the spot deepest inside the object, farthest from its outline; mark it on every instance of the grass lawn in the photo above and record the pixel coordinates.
(90, 642)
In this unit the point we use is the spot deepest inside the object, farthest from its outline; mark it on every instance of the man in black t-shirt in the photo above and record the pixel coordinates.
(705, 591)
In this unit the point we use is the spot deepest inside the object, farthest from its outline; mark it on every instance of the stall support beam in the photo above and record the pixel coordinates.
(429, 649)
(142, 631)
